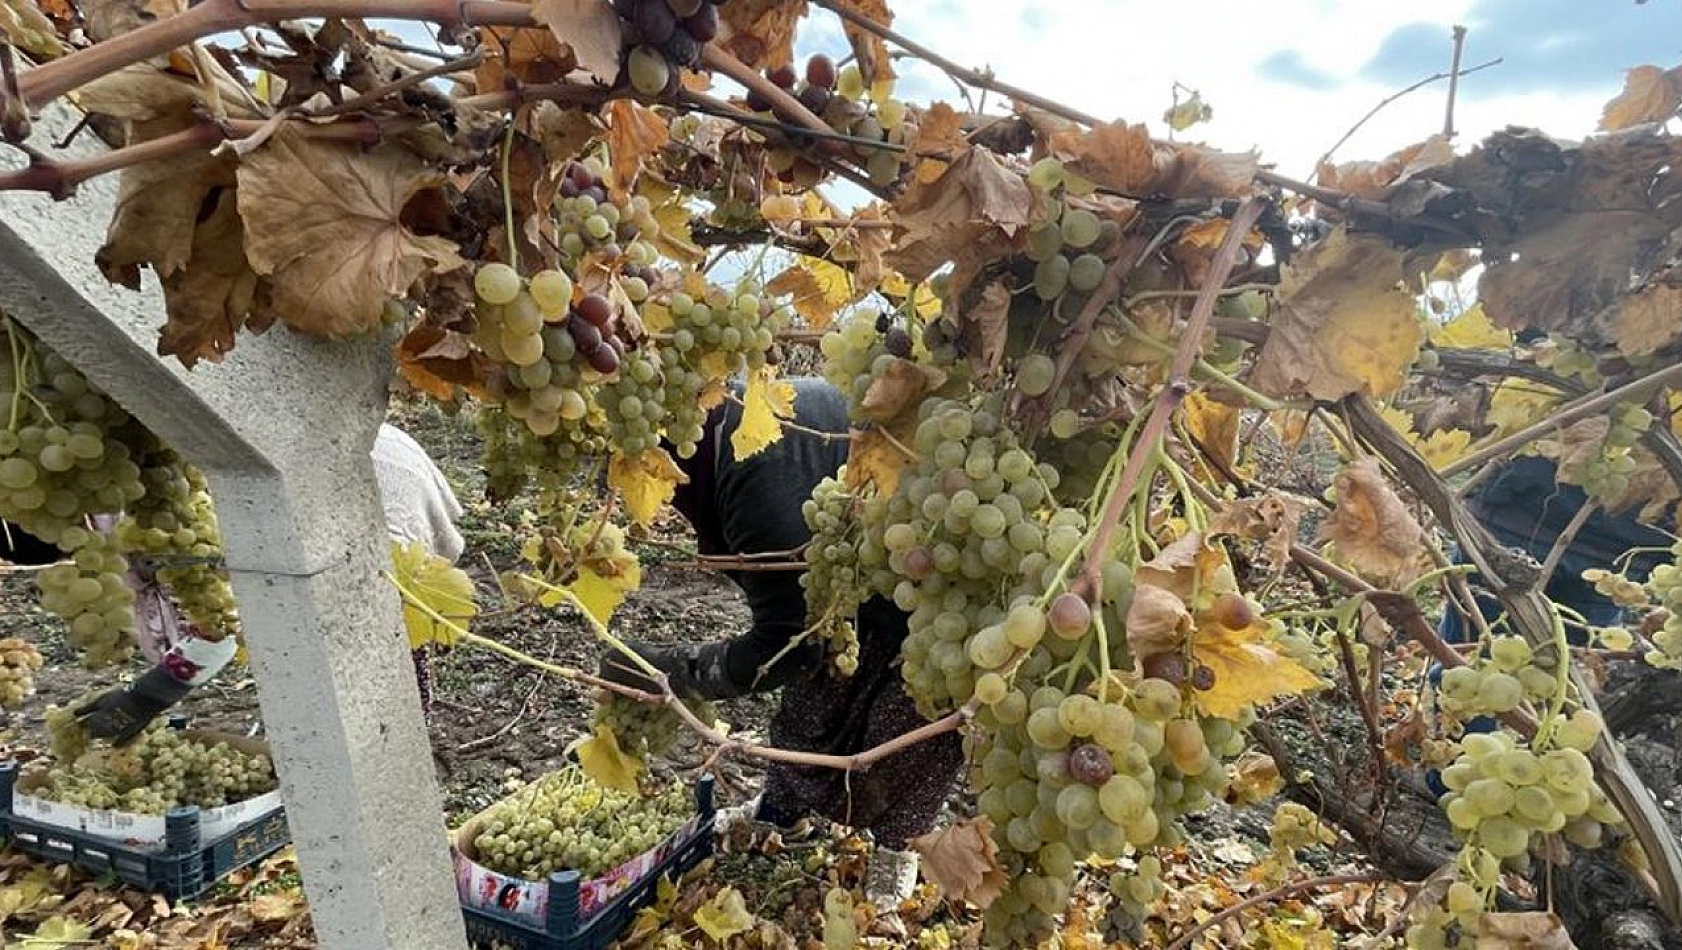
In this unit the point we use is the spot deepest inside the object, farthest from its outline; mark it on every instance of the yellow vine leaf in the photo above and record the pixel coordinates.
(923, 300)
(1650, 94)
(645, 482)
(1515, 404)
(1247, 669)
(766, 400)
(818, 289)
(725, 915)
(1215, 427)
(606, 764)
(599, 596)
(444, 589)
(1441, 448)
(55, 933)
(1471, 330)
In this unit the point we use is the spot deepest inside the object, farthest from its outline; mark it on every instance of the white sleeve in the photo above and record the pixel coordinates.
(419, 505)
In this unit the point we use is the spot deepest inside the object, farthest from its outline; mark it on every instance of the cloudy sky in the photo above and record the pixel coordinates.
(1290, 76)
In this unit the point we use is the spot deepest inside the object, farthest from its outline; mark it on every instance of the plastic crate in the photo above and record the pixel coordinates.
(184, 867)
(565, 923)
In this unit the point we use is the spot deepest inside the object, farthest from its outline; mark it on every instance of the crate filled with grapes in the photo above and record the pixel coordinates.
(172, 812)
(565, 863)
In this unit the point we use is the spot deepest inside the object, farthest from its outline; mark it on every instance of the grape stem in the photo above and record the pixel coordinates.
(508, 196)
(1279, 893)
(1176, 389)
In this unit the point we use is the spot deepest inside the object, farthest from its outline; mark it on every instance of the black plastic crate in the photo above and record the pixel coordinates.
(566, 926)
(185, 867)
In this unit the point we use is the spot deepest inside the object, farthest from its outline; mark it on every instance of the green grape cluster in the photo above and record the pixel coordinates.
(1629, 594)
(1502, 793)
(1664, 585)
(645, 729)
(1511, 674)
(176, 517)
(1133, 891)
(163, 769)
(1295, 827)
(19, 659)
(92, 596)
(1561, 355)
(856, 353)
(1067, 242)
(1605, 474)
(833, 583)
(565, 821)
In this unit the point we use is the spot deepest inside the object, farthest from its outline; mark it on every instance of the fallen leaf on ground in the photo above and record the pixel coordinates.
(963, 861)
(1533, 930)
(725, 916)
(1371, 527)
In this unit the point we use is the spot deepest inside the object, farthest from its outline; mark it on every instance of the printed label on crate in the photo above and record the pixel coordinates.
(137, 829)
(485, 889)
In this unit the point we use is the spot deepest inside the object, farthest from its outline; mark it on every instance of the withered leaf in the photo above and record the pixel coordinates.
(211, 298)
(634, 134)
(985, 327)
(1531, 930)
(1368, 179)
(27, 28)
(760, 33)
(1272, 519)
(963, 861)
(1650, 94)
(323, 221)
(870, 50)
(899, 389)
(590, 28)
(1371, 527)
(529, 55)
(1343, 322)
(1646, 321)
(1157, 621)
(939, 129)
(436, 361)
(970, 213)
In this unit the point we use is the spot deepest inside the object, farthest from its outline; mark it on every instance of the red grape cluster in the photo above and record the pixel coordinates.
(665, 34)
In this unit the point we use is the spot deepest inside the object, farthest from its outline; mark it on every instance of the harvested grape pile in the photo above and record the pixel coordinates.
(565, 821)
(163, 769)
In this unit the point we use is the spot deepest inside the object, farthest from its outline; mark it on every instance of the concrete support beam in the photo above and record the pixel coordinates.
(282, 430)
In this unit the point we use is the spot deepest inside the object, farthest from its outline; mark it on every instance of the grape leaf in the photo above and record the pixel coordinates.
(1343, 323)
(323, 221)
(1530, 930)
(1271, 519)
(608, 766)
(971, 213)
(1215, 427)
(760, 33)
(590, 28)
(1646, 321)
(599, 595)
(634, 133)
(1157, 621)
(1368, 179)
(27, 28)
(940, 129)
(1247, 669)
(1253, 777)
(216, 294)
(431, 585)
(818, 289)
(963, 861)
(437, 361)
(275, 906)
(725, 915)
(765, 400)
(1650, 94)
(1371, 527)
(1471, 330)
(645, 482)
(877, 456)
(869, 50)
(1441, 448)
(899, 389)
(1123, 157)
(1188, 112)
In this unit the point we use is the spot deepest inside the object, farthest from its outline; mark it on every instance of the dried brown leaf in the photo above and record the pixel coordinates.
(760, 33)
(986, 327)
(1371, 527)
(323, 221)
(877, 456)
(1271, 519)
(1647, 321)
(634, 134)
(898, 389)
(869, 50)
(1115, 154)
(1531, 930)
(1367, 179)
(1343, 323)
(940, 129)
(216, 294)
(963, 861)
(527, 54)
(590, 28)
(1157, 621)
(1650, 94)
(971, 213)
(436, 361)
